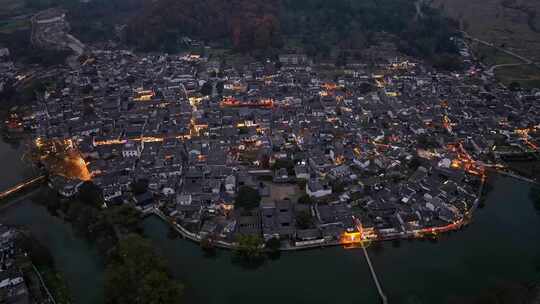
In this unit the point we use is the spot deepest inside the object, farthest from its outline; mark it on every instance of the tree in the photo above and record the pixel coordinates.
(447, 62)
(514, 86)
(415, 163)
(337, 187)
(90, 194)
(139, 187)
(284, 163)
(249, 248)
(206, 89)
(304, 220)
(208, 247)
(220, 87)
(273, 244)
(125, 218)
(158, 288)
(37, 252)
(49, 198)
(305, 200)
(136, 274)
(247, 198)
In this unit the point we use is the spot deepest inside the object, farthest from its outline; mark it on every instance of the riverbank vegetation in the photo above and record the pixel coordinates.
(41, 258)
(250, 251)
(84, 214)
(104, 227)
(135, 273)
(207, 246)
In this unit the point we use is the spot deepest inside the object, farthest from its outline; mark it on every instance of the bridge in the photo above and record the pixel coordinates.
(360, 229)
(21, 186)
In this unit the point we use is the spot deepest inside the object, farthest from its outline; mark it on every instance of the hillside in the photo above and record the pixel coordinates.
(515, 23)
(512, 24)
(89, 21)
(247, 24)
(317, 26)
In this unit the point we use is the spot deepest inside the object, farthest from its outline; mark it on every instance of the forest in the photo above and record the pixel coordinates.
(316, 26)
(244, 24)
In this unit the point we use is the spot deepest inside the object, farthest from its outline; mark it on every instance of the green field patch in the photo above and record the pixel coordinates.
(526, 75)
(491, 56)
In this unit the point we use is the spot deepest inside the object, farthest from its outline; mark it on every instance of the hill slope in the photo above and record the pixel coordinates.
(248, 24)
(512, 24)
(319, 25)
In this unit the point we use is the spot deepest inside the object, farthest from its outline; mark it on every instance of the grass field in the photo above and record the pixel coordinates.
(526, 76)
(492, 21)
(491, 56)
(506, 24)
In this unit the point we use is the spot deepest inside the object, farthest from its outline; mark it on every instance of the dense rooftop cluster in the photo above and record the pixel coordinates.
(13, 287)
(393, 145)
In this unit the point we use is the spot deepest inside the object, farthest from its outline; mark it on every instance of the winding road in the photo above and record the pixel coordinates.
(526, 61)
(522, 58)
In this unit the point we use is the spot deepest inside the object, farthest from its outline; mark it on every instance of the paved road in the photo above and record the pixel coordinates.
(21, 186)
(491, 70)
(522, 58)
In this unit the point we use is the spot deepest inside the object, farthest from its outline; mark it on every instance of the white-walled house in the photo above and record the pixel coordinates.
(132, 149)
(317, 189)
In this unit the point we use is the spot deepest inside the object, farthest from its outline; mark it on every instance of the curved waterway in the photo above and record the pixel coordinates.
(501, 245)
(75, 259)
(13, 169)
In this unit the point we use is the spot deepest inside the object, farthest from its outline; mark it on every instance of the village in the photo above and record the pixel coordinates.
(307, 153)
(20, 282)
